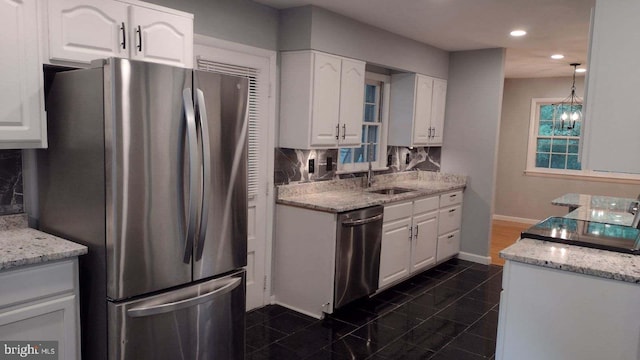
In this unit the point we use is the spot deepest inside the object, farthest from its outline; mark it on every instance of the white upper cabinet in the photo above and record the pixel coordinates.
(321, 100)
(161, 37)
(22, 120)
(326, 100)
(417, 110)
(612, 121)
(351, 102)
(84, 30)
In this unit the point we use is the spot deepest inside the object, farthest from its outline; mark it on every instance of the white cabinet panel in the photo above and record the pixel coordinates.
(395, 253)
(425, 238)
(438, 104)
(22, 120)
(84, 30)
(326, 100)
(448, 245)
(612, 123)
(351, 102)
(449, 219)
(161, 37)
(422, 116)
(556, 315)
(321, 100)
(49, 320)
(417, 110)
(409, 239)
(451, 199)
(40, 303)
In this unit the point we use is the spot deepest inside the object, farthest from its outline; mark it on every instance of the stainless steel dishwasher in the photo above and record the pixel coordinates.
(358, 240)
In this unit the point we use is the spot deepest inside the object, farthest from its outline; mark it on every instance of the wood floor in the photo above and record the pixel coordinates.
(504, 234)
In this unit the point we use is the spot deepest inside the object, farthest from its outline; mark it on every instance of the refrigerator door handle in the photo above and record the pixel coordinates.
(192, 140)
(226, 286)
(206, 165)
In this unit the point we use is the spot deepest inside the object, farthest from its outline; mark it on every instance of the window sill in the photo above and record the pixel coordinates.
(587, 176)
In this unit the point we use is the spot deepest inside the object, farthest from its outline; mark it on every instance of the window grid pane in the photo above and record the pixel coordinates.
(557, 143)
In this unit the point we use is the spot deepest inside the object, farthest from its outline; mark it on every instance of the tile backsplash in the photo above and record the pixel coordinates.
(11, 182)
(292, 165)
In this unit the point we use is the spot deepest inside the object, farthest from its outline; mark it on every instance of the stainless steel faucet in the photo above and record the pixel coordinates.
(370, 172)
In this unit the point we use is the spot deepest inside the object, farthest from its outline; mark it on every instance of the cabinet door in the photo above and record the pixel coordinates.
(351, 102)
(425, 239)
(611, 121)
(437, 111)
(422, 113)
(161, 37)
(49, 320)
(84, 30)
(395, 253)
(326, 99)
(22, 122)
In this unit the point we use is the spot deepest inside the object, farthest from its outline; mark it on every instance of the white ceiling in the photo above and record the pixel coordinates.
(553, 26)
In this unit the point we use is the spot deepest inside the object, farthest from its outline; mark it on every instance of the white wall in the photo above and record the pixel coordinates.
(474, 102)
(311, 27)
(528, 196)
(240, 21)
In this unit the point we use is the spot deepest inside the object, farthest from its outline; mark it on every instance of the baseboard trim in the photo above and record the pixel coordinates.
(484, 260)
(515, 219)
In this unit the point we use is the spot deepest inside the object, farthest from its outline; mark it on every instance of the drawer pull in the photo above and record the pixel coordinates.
(452, 210)
(452, 196)
(450, 236)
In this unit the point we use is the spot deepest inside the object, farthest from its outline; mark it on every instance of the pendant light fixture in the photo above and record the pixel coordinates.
(571, 107)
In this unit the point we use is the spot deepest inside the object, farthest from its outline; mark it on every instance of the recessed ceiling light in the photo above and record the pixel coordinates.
(581, 70)
(518, 33)
(557, 56)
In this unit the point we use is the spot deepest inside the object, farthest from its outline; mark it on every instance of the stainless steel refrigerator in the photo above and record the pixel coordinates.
(146, 166)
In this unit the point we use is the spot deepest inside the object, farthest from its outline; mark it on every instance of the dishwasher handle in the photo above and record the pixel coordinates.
(362, 221)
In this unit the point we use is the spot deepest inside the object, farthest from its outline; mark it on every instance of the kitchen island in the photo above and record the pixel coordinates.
(39, 282)
(564, 301)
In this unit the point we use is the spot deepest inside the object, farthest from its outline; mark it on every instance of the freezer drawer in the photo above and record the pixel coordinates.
(202, 321)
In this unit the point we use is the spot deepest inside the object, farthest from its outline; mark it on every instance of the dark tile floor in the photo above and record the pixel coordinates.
(448, 312)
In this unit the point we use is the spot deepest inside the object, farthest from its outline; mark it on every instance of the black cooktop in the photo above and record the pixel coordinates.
(619, 238)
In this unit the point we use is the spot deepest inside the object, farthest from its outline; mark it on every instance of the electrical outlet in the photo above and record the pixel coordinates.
(312, 166)
(329, 163)
(407, 160)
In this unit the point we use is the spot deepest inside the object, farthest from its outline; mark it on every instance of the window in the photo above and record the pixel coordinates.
(373, 128)
(554, 140)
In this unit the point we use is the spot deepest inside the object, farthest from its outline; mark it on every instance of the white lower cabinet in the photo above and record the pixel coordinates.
(40, 303)
(554, 314)
(449, 221)
(418, 234)
(409, 236)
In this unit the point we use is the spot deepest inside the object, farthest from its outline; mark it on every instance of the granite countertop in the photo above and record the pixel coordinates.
(20, 245)
(349, 194)
(578, 259)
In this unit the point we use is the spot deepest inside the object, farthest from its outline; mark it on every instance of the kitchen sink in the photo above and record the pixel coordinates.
(390, 191)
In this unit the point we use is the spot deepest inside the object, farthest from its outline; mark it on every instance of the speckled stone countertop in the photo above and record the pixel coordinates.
(20, 245)
(349, 194)
(578, 259)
